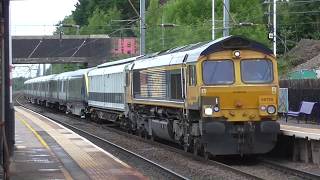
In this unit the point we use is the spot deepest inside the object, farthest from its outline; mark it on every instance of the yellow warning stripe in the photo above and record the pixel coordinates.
(35, 133)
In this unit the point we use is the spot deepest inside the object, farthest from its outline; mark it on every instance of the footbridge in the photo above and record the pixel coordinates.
(61, 49)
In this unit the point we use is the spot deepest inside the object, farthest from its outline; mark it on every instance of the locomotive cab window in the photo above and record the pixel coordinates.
(218, 72)
(256, 71)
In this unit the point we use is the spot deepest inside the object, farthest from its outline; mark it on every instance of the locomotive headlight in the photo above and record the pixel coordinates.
(271, 109)
(208, 111)
(236, 54)
(216, 109)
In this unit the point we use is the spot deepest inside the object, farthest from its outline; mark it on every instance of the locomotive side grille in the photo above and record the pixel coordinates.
(152, 84)
(157, 83)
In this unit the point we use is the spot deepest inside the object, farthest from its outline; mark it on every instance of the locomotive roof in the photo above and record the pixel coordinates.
(191, 53)
(116, 68)
(112, 67)
(123, 61)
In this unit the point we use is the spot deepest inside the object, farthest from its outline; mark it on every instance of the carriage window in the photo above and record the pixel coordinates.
(218, 72)
(192, 75)
(256, 71)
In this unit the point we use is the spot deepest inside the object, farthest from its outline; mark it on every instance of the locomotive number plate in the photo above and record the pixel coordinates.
(267, 99)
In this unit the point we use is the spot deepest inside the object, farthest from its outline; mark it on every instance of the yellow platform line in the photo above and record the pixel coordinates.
(35, 133)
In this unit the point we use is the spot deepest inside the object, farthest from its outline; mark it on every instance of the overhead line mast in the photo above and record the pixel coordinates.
(275, 27)
(213, 20)
(226, 8)
(142, 27)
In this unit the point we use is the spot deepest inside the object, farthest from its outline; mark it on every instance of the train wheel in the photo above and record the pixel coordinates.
(185, 148)
(139, 133)
(95, 117)
(207, 155)
(196, 149)
(83, 115)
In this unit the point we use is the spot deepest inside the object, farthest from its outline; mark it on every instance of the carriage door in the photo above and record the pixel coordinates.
(192, 98)
(127, 88)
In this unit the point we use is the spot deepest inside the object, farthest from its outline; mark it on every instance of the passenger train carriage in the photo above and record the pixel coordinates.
(67, 91)
(72, 91)
(37, 89)
(106, 92)
(216, 98)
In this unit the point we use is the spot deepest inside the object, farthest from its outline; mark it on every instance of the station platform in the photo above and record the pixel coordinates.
(47, 150)
(306, 139)
(300, 130)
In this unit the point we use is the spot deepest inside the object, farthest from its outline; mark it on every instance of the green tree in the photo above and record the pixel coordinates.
(68, 20)
(60, 68)
(193, 22)
(86, 9)
(18, 83)
(82, 12)
(298, 20)
(101, 22)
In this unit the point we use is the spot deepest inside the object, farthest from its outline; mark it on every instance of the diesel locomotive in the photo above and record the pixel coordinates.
(213, 98)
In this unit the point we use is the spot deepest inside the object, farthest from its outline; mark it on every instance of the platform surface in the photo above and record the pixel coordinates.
(47, 150)
(300, 130)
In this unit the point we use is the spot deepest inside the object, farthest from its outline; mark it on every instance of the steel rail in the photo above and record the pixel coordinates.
(290, 170)
(124, 150)
(187, 154)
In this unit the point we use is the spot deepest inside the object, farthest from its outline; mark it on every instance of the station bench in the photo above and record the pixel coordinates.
(305, 111)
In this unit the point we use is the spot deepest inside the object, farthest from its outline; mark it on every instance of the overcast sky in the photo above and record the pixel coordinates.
(38, 17)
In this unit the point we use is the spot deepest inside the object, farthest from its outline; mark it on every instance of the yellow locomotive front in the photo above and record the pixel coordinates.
(237, 89)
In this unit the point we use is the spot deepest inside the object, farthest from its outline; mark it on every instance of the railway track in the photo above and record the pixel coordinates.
(265, 162)
(297, 172)
(240, 171)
